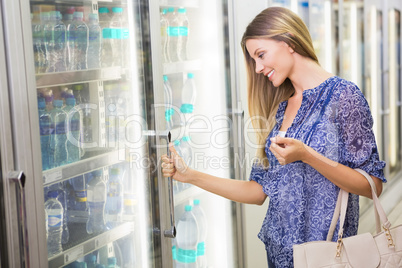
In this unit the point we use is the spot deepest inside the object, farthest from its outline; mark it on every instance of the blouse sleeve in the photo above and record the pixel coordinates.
(257, 173)
(358, 148)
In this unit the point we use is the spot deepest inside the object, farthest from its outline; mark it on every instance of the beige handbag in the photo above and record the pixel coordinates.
(360, 251)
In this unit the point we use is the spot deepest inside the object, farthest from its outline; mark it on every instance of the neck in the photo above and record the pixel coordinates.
(307, 74)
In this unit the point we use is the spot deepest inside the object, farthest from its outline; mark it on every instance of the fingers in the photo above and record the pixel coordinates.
(168, 169)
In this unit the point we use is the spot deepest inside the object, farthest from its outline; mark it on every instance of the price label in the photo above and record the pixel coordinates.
(74, 254)
(53, 176)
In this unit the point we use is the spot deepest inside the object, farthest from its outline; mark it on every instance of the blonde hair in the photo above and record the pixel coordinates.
(279, 24)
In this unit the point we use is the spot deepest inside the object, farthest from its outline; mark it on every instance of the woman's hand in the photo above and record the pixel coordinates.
(287, 150)
(175, 166)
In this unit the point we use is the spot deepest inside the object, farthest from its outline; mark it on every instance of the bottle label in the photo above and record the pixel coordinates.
(174, 253)
(186, 255)
(201, 249)
(93, 35)
(54, 220)
(115, 33)
(177, 31)
(168, 114)
(114, 189)
(60, 128)
(183, 31)
(46, 129)
(186, 108)
(81, 196)
(74, 125)
(173, 31)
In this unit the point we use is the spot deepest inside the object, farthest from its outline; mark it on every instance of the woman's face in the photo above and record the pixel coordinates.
(272, 58)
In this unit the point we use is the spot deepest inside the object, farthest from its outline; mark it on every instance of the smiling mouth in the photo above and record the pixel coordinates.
(270, 73)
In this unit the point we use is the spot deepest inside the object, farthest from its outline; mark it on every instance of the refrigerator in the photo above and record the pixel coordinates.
(86, 117)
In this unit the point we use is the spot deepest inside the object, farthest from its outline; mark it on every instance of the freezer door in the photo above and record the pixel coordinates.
(81, 132)
(12, 250)
(194, 99)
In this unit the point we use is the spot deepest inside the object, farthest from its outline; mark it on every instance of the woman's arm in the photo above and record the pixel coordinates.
(288, 150)
(249, 192)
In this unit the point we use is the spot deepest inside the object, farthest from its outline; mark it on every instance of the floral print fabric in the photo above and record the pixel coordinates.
(335, 120)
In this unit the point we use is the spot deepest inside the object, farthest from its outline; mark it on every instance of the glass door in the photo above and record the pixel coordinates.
(394, 55)
(373, 17)
(89, 113)
(193, 101)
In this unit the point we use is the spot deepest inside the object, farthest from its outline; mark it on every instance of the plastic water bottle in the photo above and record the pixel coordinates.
(48, 95)
(73, 131)
(114, 202)
(94, 42)
(169, 111)
(54, 210)
(173, 35)
(45, 20)
(96, 197)
(164, 35)
(119, 37)
(46, 130)
(80, 193)
(38, 39)
(58, 141)
(187, 240)
(110, 116)
(128, 190)
(186, 150)
(188, 95)
(85, 111)
(77, 39)
(55, 36)
(122, 97)
(112, 262)
(183, 32)
(202, 233)
(104, 23)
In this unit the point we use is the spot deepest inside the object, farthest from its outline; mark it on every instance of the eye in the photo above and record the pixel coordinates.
(261, 55)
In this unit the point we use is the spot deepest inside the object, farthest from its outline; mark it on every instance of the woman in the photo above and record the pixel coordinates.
(316, 128)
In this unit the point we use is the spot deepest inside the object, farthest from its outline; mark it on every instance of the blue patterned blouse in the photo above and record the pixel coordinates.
(335, 120)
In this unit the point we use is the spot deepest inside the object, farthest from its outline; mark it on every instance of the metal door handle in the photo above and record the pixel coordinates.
(171, 233)
(18, 177)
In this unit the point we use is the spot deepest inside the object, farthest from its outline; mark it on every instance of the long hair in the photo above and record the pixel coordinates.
(279, 24)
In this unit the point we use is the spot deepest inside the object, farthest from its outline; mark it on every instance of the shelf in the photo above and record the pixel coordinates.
(179, 3)
(76, 77)
(183, 196)
(181, 66)
(72, 170)
(88, 245)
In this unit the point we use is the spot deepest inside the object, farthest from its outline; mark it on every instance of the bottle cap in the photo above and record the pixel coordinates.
(78, 15)
(97, 172)
(115, 171)
(196, 201)
(112, 260)
(190, 75)
(117, 10)
(70, 101)
(103, 10)
(186, 138)
(58, 103)
(53, 194)
(181, 10)
(78, 87)
(170, 9)
(41, 103)
(93, 16)
(165, 78)
(188, 208)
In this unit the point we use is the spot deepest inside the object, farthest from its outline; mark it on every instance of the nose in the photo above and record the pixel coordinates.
(258, 67)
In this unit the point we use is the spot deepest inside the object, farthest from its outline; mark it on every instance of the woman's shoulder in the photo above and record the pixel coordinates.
(346, 87)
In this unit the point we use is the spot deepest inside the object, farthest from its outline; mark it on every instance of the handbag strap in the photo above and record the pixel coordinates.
(341, 207)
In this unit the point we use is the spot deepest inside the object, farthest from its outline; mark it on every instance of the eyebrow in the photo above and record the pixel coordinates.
(257, 50)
